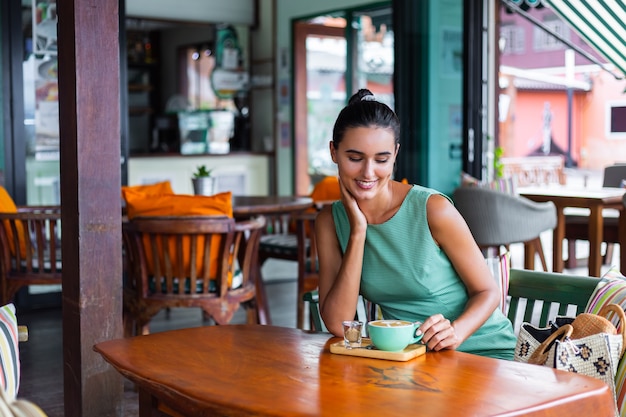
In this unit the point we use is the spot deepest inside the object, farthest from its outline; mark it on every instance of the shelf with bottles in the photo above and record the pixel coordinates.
(143, 88)
(142, 47)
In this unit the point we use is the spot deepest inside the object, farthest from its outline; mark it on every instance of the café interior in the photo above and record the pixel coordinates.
(125, 94)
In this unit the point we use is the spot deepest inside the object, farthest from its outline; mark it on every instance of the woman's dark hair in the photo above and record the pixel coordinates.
(364, 111)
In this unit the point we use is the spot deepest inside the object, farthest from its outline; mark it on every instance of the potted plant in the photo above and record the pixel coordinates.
(203, 182)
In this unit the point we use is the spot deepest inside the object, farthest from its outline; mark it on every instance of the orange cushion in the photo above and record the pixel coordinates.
(141, 204)
(326, 190)
(7, 205)
(158, 188)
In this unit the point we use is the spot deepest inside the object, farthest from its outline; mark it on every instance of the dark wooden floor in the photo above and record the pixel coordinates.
(42, 355)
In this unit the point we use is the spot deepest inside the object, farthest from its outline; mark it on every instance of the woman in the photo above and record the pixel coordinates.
(405, 248)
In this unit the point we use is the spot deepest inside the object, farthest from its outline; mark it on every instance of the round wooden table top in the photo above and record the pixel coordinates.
(252, 205)
(251, 370)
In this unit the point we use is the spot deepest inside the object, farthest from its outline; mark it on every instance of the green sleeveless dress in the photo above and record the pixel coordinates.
(410, 277)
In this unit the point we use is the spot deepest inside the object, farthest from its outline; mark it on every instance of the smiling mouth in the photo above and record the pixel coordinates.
(366, 184)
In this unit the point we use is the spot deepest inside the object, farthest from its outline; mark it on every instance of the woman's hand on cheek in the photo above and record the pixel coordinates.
(355, 215)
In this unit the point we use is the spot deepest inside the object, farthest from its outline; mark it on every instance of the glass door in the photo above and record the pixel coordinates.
(41, 102)
(320, 93)
(374, 43)
(332, 61)
(41, 123)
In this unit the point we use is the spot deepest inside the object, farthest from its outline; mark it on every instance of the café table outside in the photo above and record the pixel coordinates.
(596, 200)
(245, 207)
(243, 370)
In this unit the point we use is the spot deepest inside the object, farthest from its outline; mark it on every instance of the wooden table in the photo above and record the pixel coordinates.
(254, 205)
(245, 207)
(251, 370)
(593, 199)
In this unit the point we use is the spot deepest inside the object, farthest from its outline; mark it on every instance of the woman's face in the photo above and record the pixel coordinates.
(365, 159)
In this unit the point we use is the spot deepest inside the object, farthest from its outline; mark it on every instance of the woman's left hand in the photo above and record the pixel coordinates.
(439, 333)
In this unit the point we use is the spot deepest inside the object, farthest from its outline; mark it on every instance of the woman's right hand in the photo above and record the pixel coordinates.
(356, 217)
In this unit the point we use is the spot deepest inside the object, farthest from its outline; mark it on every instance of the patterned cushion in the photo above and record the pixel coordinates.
(11, 407)
(9, 351)
(611, 289)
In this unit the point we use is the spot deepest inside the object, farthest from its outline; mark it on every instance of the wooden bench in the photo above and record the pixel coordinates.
(535, 170)
(538, 297)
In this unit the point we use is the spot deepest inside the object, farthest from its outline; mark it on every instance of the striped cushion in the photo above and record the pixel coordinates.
(611, 289)
(505, 272)
(500, 267)
(505, 185)
(9, 352)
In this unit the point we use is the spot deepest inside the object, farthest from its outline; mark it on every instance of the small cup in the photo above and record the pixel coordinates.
(393, 335)
(352, 333)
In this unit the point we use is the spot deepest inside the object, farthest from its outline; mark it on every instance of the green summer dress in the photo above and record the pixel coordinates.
(408, 275)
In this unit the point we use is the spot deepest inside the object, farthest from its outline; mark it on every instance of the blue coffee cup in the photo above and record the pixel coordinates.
(393, 335)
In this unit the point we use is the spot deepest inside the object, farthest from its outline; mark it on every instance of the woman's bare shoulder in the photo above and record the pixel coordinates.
(325, 215)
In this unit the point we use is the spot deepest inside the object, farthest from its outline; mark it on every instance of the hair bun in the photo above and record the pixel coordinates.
(362, 95)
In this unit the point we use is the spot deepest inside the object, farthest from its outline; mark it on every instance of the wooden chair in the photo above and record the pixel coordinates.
(308, 275)
(206, 262)
(577, 225)
(280, 240)
(30, 249)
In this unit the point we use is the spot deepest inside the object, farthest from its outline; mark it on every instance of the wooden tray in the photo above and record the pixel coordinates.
(409, 352)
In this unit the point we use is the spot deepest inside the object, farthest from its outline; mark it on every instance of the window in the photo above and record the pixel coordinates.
(543, 41)
(513, 39)
(616, 120)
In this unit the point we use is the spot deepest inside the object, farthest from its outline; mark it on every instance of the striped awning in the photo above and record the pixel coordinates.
(602, 23)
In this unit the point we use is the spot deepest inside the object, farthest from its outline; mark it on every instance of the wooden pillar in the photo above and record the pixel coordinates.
(89, 113)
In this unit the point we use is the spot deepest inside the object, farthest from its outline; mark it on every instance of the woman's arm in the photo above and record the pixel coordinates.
(339, 275)
(451, 232)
